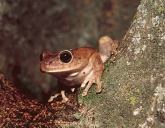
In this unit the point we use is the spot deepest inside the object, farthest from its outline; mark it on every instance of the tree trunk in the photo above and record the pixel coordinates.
(134, 85)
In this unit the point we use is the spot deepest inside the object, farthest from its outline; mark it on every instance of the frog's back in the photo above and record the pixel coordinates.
(83, 52)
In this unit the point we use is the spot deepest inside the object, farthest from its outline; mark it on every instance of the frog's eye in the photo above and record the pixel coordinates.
(65, 56)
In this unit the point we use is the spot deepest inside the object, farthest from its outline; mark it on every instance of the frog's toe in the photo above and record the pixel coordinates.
(50, 100)
(53, 97)
(98, 90)
(84, 93)
(83, 85)
(64, 100)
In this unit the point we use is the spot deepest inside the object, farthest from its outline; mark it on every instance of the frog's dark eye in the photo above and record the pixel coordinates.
(65, 56)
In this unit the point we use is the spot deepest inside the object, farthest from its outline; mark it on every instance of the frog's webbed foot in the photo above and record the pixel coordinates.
(89, 81)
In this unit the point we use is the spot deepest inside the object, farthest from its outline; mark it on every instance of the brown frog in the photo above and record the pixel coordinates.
(82, 66)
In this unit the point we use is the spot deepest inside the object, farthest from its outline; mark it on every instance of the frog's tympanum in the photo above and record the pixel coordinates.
(82, 66)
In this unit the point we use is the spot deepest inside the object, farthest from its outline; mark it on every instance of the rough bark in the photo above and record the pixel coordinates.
(134, 85)
(18, 111)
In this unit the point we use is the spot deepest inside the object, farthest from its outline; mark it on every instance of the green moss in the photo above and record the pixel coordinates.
(86, 100)
(77, 116)
(132, 100)
(126, 87)
(160, 9)
(107, 65)
(139, 64)
(73, 125)
(137, 90)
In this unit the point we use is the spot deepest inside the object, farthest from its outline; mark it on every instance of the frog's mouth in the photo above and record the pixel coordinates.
(58, 70)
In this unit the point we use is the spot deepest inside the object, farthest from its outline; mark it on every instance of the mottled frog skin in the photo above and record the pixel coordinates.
(82, 66)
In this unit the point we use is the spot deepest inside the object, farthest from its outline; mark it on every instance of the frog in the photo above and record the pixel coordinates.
(78, 67)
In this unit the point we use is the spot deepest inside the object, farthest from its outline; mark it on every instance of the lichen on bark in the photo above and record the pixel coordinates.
(134, 85)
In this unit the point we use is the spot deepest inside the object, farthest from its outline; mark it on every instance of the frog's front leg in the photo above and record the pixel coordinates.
(87, 79)
(93, 79)
(95, 75)
(53, 97)
(64, 98)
